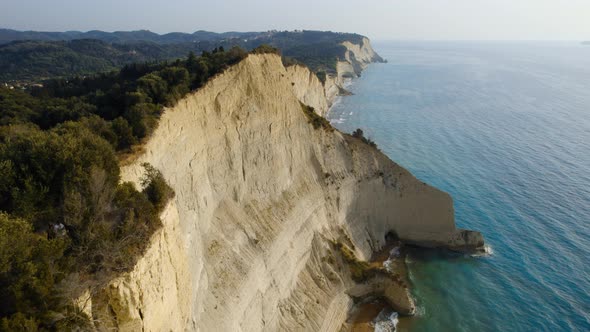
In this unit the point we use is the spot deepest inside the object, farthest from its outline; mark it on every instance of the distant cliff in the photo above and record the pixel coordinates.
(261, 198)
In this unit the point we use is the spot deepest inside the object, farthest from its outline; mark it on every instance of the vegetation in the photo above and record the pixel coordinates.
(66, 221)
(315, 119)
(322, 76)
(360, 135)
(38, 60)
(262, 49)
(121, 107)
(34, 56)
(360, 271)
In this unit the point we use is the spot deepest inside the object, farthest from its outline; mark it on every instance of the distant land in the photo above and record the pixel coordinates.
(8, 35)
(31, 56)
(586, 42)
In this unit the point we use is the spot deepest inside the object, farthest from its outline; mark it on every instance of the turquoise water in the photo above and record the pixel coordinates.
(505, 129)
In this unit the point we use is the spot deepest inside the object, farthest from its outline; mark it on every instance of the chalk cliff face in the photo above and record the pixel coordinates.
(260, 194)
(357, 58)
(308, 88)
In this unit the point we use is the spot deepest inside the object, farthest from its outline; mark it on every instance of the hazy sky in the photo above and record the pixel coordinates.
(378, 19)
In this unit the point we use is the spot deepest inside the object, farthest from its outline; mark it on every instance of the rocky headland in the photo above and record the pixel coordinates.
(275, 220)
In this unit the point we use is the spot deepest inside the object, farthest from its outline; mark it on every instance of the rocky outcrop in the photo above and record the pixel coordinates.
(260, 193)
(385, 286)
(308, 88)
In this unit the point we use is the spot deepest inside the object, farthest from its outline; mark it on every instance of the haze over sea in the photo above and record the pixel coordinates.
(505, 129)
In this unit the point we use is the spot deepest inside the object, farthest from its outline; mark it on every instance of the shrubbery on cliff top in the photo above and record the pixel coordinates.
(263, 49)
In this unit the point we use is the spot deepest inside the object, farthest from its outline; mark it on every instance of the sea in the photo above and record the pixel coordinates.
(504, 127)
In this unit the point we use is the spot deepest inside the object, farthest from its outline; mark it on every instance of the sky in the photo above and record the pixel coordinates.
(377, 19)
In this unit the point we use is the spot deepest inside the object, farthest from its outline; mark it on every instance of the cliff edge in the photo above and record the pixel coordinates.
(261, 196)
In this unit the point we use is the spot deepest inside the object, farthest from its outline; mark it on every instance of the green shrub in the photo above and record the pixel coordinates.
(264, 49)
(288, 61)
(360, 135)
(315, 119)
(155, 187)
(19, 322)
(29, 272)
(322, 76)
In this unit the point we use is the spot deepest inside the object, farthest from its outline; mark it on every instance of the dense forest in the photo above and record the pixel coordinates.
(52, 57)
(67, 223)
(40, 60)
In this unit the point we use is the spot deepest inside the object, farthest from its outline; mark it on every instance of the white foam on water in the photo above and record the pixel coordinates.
(388, 264)
(339, 120)
(386, 321)
(420, 311)
(487, 251)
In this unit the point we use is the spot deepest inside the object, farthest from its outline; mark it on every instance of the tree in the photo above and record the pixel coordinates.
(124, 133)
(360, 135)
(28, 271)
(155, 87)
(191, 62)
(155, 187)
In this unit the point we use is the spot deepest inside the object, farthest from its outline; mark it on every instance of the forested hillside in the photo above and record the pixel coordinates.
(37, 60)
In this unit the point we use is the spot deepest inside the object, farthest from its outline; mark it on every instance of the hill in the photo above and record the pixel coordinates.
(64, 54)
(8, 35)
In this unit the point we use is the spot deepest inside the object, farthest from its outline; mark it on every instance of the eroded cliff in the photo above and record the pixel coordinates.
(260, 197)
(356, 58)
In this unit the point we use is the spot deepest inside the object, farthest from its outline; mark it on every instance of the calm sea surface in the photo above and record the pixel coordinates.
(505, 129)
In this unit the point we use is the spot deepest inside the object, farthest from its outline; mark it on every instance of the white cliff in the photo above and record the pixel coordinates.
(356, 58)
(260, 195)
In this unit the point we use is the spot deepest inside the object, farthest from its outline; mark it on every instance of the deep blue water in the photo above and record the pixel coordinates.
(505, 129)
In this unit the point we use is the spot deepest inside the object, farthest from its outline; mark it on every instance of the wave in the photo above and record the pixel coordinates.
(393, 254)
(337, 120)
(487, 251)
(386, 321)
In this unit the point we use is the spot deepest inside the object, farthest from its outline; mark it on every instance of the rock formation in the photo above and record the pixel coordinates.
(261, 196)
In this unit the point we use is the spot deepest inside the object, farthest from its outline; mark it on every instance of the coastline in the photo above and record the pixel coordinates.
(374, 313)
(338, 189)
